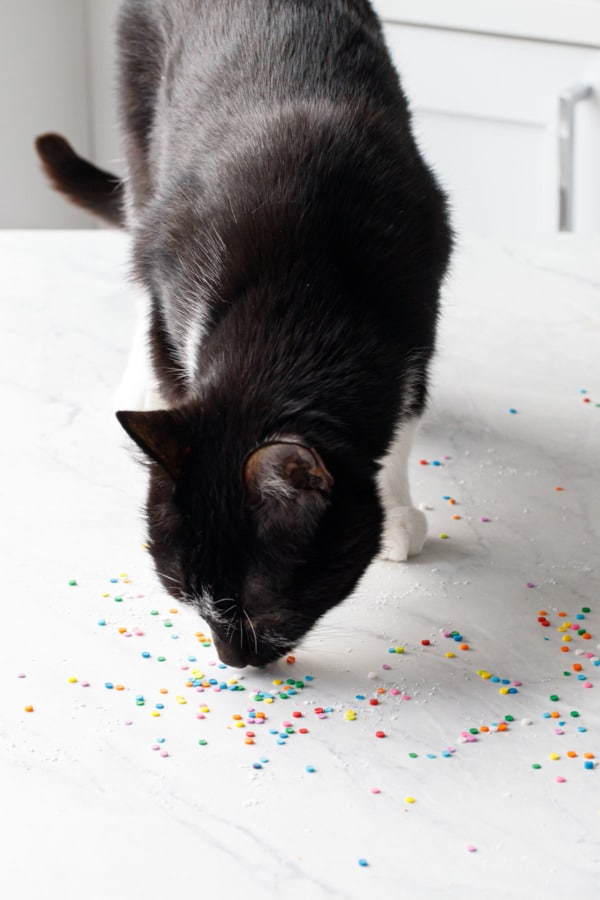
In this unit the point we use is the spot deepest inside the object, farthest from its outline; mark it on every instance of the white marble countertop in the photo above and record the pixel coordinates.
(102, 798)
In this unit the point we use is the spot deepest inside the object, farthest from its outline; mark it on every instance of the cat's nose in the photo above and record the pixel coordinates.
(230, 654)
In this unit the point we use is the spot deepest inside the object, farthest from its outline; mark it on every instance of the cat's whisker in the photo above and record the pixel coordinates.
(250, 623)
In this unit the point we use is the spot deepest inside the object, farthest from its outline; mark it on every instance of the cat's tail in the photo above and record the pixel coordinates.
(82, 183)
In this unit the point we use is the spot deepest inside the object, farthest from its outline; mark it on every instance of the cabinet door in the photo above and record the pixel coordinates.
(486, 116)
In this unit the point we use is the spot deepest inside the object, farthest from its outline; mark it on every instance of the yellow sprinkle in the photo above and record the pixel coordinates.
(554, 756)
(106, 595)
(232, 681)
(450, 655)
(503, 690)
(123, 575)
(398, 649)
(204, 709)
(566, 637)
(72, 679)
(268, 699)
(443, 536)
(181, 699)
(239, 724)
(409, 799)
(277, 681)
(155, 712)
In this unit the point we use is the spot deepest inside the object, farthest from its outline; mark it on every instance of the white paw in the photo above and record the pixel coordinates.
(404, 533)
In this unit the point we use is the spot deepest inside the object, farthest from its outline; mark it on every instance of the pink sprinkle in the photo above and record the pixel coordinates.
(200, 716)
(184, 668)
(375, 791)
(446, 633)
(587, 656)
(574, 626)
(321, 716)
(287, 724)
(128, 722)
(517, 683)
(485, 519)
(559, 731)
(217, 690)
(138, 633)
(164, 753)
(85, 684)
(405, 697)
(156, 747)
(560, 779)
(21, 675)
(587, 684)
(471, 848)
(199, 690)
(385, 666)
(446, 457)
(394, 691)
(530, 584)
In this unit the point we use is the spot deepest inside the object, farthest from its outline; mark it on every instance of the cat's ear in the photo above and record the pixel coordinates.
(287, 484)
(162, 435)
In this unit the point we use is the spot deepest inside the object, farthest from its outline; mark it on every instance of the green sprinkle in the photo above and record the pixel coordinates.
(299, 684)
(290, 730)
(574, 714)
(509, 718)
(153, 612)
(535, 766)
(413, 755)
(206, 643)
(283, 696)
(161, 658)
(554, 697)
(202, 742)
(581, 631)
(566, 673)
(168, 624)
(118, 599)
(473, 730)
(73, 583)
(290, 681)
(443, 536)
(585, 609)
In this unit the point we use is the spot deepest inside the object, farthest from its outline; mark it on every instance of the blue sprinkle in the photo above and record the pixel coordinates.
(191, 659)
(360, 696)
(581, 728)
(114, 580)
(581, 677)
(512, 411)
(223, 685)
(108, 684)
(283, 735)
(174, 637)
(310, 768)
(160, 740)
(256, 766)
(212, 681)
(273, 731)
(281, 743)
(309, 677)
(391, 649)
(436, 462)
(458, 637)
(588, 764)
(328, 709)
(252, 714)
(291, 691)
(582, 391)
(145, 654)
(431, 756)
(363, 862)
(513, 690)
(546, 715)
(446, 497)
(222, 666)
(596, 662)
(160, 705)
(561, 724)
(495, 679)
(101, 621)
(446, 753)
(580, 616)
(506, 681)
(140, 697)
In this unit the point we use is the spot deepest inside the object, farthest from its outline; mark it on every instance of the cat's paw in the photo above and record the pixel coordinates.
(404, 533)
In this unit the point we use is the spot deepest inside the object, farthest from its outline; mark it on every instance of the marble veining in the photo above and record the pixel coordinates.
(91, 810)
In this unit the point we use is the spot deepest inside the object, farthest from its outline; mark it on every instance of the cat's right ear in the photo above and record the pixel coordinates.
(162, 435)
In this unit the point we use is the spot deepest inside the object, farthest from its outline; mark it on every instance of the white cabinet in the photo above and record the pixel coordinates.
(486, 113)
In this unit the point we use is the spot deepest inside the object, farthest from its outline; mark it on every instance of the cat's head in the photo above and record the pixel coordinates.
(263, 540)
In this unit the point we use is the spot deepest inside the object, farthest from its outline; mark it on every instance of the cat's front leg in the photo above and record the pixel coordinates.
(405, 527)
(139, 389)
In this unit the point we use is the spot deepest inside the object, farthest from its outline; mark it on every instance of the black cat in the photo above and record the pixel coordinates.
(292, 242)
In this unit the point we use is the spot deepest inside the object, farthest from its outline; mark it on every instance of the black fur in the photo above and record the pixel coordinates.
(276, 185)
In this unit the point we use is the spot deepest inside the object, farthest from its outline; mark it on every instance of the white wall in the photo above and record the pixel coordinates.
(54, 76)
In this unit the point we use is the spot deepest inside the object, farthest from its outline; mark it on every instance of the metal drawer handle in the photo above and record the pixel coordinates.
(566, 141)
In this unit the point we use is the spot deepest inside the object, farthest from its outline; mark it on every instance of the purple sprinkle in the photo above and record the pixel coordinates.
(471, 848)
(530, 584)
(385, 666)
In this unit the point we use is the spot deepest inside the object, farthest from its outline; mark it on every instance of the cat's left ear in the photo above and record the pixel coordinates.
(162, 435)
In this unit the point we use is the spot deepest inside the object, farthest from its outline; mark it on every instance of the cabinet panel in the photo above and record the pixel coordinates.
(486, 115)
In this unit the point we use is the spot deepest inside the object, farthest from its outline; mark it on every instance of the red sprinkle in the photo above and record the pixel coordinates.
(297, 715)
(303, 730)
(374, 702)
(425, 642)
(318, 710)
(380, 734)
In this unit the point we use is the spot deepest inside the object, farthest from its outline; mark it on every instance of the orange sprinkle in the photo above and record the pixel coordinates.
(555, 714)
(260, 715)
(484, 728)
(588, 756)
(564, 649)
(163, 691)
(122, 630)
(380, 690)
(559, 488)
(586, 636)
(173, 610)
(502, 726)
(542, 612)
(452, 501)
(464, 646)
(456, 517)
(563, 614)
(29, 708)
(577, 667)
(290, 659)
(248, 740)
(119, 687)
(189, 684)
(571, 753)
(236, 716)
